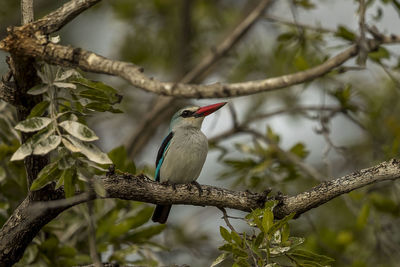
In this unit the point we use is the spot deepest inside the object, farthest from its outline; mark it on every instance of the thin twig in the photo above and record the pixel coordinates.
(92, 236)
(228, 223)
(305, 168)
(298, 24)
(362, 41)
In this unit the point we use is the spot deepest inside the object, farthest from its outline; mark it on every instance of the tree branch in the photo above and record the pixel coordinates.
(55, 20)
(26, 11)
(21, 43)
(26, 221)
(137, 188)
(25, 41)
(322, 193)
(162, 108)
(17, 42)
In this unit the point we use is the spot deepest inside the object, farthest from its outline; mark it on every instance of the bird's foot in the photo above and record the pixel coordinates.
(167, 183)
(198, 187)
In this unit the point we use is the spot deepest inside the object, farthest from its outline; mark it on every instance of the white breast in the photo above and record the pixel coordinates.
(185, 156)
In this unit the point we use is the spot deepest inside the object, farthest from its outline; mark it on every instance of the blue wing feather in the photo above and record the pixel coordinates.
(161, 154)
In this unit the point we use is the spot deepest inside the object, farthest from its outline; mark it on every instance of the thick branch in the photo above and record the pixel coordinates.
(26, 221)
(16, 42)
(38, 47)
(322, 193)
(137, 188)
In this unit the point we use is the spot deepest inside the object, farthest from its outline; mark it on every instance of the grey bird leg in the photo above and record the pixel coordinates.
(198, 187)
(167, 183)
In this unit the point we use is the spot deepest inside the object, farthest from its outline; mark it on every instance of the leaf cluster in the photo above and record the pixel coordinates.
(270, 244)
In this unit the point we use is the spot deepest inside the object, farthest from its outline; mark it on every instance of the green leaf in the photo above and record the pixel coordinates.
(220, 259)
(99, 87)
(259, 239)
(272, 136)
(26, 149)
(362, 218)
(121, 160)
(239, 252)
(294, 241)
(381, 53)
(225, 234)
(38, 89)
(45, 176)
(102, 107)
(235, 236)
(66, 174)
(39, 109)
(23, 151)
(90, 151)
(304, 255)
(146, 233)
(79, 130)
(69, 183)
(285, 232)
(345, 33)
(299, 150)
(279, 224)
(384, 204)
(33, 124)
(3, 174)
(268, 220)
(226, 247)
(65, 85)
(99, 187)
(70, 146)
(141, 217)
(60, 181)
(132, 222)
(67, 74)
(46, 145)
(66, 162)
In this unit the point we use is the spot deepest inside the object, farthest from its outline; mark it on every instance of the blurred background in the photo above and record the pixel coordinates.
(336, 124)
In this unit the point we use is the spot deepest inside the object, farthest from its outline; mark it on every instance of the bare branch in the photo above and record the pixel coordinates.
(226, 45)
(21, 227)
(362, 41)
(322, 193)
(137, 188)
(244, 125)
(163, 105)
(89, 61)
(55, 20)
(26, 11)
(22, 41)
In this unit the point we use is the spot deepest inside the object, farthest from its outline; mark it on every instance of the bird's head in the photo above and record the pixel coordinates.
(193, 116)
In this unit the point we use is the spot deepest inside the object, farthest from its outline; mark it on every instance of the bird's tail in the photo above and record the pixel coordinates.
(161, 213)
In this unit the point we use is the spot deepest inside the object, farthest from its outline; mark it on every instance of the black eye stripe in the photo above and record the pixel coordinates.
(187, 113)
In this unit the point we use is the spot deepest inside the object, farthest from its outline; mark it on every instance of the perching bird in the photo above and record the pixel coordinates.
(183, 152)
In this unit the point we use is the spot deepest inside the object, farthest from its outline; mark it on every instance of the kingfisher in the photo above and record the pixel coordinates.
(183, 151)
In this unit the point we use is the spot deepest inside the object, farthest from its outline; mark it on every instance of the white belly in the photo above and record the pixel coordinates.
(185, 157)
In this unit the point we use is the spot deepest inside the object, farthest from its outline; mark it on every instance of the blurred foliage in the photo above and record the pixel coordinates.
(360, 229)
(270, 244)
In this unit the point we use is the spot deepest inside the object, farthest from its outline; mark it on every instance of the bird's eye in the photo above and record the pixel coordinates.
(186, 113)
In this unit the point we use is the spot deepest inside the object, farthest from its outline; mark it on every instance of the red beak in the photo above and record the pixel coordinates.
(207, 110)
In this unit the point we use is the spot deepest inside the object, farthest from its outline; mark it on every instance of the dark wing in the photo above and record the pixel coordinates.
(160, 154)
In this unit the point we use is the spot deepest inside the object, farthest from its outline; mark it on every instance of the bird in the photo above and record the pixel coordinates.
(183, 152)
